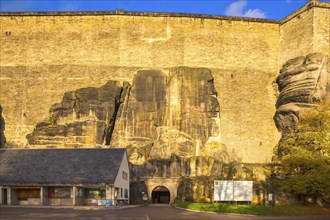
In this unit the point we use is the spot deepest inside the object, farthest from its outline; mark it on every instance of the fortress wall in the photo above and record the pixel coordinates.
(141, 41)
(296, 36)
(305, 31)
(322, 30)
(46, 56)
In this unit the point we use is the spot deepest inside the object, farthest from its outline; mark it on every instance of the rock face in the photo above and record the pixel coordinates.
(177, 167)
(169, 123)
(303, 82)
(84, 118)
(2, 129)
(169, 114)
(162, 114)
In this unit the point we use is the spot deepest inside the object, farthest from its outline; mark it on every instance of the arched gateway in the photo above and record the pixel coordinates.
(160, 194)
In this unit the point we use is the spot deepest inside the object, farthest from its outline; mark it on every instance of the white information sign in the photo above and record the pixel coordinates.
(228, 190)
(223, 190)
(243, 190)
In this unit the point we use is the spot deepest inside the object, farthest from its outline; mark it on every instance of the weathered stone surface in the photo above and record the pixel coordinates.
(136, 189)
(84, 118)
(178, 167)
(144, 110)
(192, 178)
(303, 82)
(200, 188)
(193, 109)
(169, 114)
(2, 129)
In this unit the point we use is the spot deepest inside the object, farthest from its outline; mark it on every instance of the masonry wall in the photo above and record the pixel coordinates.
(305, 31)
(296, 36)
(322, 29)
(42, 57)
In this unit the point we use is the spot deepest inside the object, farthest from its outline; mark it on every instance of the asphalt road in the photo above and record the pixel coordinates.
(137, 213)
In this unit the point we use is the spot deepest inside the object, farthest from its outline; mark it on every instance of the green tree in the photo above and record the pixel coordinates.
(304, 165)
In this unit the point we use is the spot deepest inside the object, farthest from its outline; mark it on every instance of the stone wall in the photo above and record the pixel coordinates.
(321, 30)
(44, 56)
(138, 40)
(305, 31)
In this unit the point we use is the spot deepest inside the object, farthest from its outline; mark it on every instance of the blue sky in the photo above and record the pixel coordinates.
(271, 9)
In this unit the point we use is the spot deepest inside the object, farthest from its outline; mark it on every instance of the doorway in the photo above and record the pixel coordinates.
(4, 197)
(160, 194)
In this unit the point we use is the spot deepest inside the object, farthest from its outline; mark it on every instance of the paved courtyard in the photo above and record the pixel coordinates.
(153, 212)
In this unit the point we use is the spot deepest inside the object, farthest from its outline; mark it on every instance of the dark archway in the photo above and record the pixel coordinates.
(160, 194)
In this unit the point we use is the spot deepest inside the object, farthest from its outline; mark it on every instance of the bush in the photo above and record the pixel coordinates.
(304, 167)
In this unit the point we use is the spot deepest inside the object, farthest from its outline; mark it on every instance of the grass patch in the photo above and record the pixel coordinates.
(280, 210)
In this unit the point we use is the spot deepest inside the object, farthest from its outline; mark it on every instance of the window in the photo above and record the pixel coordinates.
(80, 192)
(24, 194)
(121, 192)
(125, 175)
(59, 192)
(116, 192)
(126, 193)
(95, 193)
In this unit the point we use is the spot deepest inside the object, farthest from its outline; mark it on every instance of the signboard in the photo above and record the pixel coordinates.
(270, 197)
(243, 190)
(223, 190)
(105, 202)
(228, 190)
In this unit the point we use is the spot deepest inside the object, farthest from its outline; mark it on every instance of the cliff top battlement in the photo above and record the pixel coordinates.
(310, 4)
(121, 12)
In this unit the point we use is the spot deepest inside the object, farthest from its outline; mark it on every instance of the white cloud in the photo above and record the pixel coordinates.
(255, 13)
(237, 9)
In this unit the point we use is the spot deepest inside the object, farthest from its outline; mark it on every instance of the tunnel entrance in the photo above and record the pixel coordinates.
(160, 194)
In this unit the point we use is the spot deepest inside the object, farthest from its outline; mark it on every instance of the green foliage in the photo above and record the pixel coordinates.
(256, 209)
(304, 167)
(203, 199)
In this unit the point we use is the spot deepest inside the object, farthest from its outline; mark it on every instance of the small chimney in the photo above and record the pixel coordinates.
(120, 11)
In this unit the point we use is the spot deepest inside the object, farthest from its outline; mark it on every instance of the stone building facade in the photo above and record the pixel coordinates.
(64, 177)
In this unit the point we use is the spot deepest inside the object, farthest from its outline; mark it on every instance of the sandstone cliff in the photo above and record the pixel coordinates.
(159, 115)
(169, 114)
(84, 118)
(303, 82)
